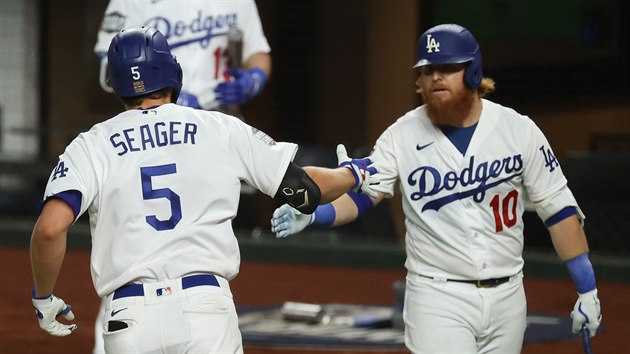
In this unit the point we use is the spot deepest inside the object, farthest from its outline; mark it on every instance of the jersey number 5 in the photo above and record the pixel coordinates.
(504, 211)
(149, 193)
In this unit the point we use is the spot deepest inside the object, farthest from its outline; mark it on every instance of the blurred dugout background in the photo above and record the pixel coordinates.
(342, 74)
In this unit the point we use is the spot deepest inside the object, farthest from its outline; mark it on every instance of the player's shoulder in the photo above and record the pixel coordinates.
(413, 122)
(411, 118)
(504, 112)
(506, 115)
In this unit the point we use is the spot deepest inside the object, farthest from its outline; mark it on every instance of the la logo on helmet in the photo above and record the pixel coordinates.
(432, 44)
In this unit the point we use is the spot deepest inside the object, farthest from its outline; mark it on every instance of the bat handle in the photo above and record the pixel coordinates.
(586, 340)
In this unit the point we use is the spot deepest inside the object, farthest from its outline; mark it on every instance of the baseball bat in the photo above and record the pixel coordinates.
(235, 52)
(586, 341)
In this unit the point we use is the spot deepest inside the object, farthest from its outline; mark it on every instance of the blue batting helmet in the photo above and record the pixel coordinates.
(451, 44)
(140, 62)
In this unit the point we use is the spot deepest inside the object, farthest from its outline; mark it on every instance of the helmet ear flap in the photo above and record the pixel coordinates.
(474, 72)
(180, 76)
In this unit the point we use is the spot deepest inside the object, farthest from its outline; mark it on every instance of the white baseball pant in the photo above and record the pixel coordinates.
(449, 317)
(176, 316)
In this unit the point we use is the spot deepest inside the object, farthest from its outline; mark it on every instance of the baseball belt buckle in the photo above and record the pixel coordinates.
(488, 283)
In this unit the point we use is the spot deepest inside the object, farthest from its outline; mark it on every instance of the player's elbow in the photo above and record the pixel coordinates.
(298, 190)
(45, 232)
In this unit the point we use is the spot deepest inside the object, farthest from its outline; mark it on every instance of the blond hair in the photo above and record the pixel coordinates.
(486, 87)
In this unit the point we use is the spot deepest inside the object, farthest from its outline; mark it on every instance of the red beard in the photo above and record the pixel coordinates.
(451, 110)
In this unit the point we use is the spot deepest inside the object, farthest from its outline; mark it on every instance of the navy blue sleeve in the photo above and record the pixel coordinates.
(561, 215)
(72, 198)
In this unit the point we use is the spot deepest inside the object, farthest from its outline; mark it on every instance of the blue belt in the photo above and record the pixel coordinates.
(187, 282)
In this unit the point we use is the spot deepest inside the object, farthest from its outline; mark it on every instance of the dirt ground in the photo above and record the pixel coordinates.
(19, 332)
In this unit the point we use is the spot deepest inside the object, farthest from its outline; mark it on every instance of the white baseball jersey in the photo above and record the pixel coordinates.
(162, 186)
(463, 214)
(197, 33)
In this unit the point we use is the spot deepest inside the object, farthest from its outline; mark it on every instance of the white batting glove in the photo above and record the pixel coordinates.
(361, 169)
(47, 310)
(587, 312)
(288, 221)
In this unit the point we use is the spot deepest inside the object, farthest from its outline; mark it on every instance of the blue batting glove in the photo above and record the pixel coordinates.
(243, 86)
(188, 99)
(362, 170)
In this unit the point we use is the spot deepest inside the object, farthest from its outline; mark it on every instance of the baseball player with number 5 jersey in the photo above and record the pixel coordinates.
(197, 32)
(464, 166)
(161, 184)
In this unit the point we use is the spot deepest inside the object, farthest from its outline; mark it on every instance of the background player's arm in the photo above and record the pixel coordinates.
(102, 75)
(246, 82)
(259, 60)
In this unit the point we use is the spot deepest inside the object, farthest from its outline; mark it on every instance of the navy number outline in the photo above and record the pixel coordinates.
(149, 193)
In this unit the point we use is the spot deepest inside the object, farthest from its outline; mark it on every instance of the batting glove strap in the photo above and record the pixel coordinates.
(587, 312)
(47, 309)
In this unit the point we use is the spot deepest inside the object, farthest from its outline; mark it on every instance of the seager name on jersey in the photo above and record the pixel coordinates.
(478, 177)
(150, 136)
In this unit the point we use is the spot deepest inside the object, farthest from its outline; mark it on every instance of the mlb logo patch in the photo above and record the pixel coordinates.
(163, 291)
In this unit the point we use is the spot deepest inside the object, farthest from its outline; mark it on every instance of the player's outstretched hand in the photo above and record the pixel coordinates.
(587, 312)
(243, 85)
(361, 169)
(288, 221)
(47, 309)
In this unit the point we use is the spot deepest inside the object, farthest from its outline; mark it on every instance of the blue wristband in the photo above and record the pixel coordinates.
(362, 201)
(260, 78)
(324, 215)
(582, 273)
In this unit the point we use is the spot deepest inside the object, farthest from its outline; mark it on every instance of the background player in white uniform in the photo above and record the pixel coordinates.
(463, 165)
(161, 184)
(197, 32)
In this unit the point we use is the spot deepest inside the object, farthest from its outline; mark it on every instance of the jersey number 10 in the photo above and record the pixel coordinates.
(504, 211)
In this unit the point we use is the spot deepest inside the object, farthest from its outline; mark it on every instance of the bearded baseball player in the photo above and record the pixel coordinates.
(464, 166)
(198, 34)
(161, 184)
